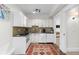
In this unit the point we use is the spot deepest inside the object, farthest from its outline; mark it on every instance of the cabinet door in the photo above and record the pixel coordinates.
(19, 19)
(19, 43)
(50, 38)
(43, 38)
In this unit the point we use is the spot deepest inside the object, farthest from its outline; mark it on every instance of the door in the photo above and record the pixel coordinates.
(63, 40)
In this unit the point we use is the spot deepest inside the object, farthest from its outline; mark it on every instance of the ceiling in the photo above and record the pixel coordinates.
(46, 10)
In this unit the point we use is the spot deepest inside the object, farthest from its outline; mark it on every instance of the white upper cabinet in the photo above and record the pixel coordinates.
(19, 19)
(40, 22)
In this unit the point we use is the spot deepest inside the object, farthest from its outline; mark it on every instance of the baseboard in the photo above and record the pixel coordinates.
(72, 49)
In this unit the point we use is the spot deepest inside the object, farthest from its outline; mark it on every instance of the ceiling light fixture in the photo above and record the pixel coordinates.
(36, 11)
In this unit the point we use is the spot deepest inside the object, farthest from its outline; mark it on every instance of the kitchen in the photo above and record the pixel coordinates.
(38, 29)
(32, 28)
(38, 33)
(32, 24)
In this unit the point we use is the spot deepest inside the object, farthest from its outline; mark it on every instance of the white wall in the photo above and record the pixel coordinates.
(40, 22)
(69, 30)
(59, 19)
(73, 29)
(5, 35)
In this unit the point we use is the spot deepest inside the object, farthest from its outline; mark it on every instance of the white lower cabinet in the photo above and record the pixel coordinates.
(42, 37)
(50, 38)
(19, 44)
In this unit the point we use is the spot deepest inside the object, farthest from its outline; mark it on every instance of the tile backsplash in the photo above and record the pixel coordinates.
(23, 31)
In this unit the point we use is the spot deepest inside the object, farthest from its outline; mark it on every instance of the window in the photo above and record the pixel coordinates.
(1, 14)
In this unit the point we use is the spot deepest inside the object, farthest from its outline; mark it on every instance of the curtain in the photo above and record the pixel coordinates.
(2, 13)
